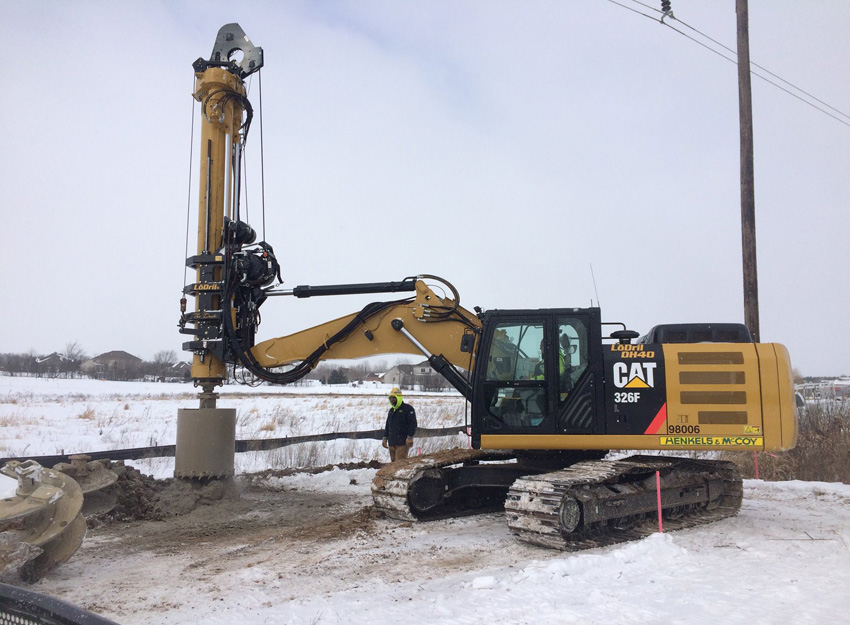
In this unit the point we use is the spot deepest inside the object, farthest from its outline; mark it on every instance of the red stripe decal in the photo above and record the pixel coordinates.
(658, 421)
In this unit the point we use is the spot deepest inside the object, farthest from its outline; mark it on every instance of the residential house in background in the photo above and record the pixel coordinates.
(52, 364)
(419, 376)
(180, 372)
(398, 376)
(116, 365)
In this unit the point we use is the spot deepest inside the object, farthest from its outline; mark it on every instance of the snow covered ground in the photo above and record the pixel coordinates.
(41, 416)
(304, 549)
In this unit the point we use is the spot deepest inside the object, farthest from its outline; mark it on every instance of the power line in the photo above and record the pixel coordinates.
(764, 69)
(628, 8)
(767, 80)
(734, 59)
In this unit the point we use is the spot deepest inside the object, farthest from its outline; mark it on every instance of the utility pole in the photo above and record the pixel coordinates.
(748, 200)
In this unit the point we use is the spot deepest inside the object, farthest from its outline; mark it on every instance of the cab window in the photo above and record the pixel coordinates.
(515, 352)
(515, 384)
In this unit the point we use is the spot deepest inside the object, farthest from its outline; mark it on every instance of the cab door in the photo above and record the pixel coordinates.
(580, 400)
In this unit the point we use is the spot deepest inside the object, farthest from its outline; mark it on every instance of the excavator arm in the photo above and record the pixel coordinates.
(427, 323)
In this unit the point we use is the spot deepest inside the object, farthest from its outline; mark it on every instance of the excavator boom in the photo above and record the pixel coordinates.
(440, 329)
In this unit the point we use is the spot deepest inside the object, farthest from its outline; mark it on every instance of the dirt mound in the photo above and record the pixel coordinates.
(140, 497)
(135, 495)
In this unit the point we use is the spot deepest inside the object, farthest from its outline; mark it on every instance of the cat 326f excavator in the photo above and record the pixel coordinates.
(551, 391)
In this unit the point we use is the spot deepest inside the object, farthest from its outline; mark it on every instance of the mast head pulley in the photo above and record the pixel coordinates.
(230, 40)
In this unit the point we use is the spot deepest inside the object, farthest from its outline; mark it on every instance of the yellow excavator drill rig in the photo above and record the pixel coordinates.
(552, 391)
(206, 435)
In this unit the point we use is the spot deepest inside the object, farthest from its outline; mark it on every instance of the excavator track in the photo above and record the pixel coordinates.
(600, 503)
(447, 483)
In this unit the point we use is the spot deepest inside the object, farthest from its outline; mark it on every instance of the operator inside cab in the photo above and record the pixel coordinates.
(565, 368)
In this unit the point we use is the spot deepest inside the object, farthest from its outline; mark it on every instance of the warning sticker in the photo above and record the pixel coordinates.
(712, 441)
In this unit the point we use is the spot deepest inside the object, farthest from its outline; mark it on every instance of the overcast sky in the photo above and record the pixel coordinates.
(506, 146)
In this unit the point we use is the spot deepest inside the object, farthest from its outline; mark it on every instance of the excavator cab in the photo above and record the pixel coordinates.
(539, 373)
(547, 380)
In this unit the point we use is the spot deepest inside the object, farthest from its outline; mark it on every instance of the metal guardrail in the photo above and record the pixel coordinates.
(261, 444)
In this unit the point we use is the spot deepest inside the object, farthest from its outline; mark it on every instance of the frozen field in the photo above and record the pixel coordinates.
(42, 416)
(306, 549)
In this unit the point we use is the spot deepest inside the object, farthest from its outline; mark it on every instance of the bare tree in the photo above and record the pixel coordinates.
(163, 361)
(75, 353)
